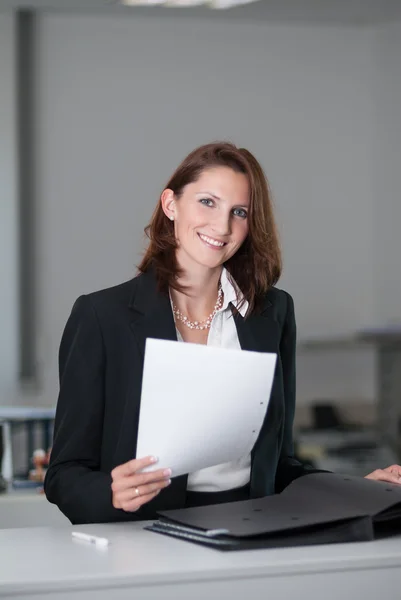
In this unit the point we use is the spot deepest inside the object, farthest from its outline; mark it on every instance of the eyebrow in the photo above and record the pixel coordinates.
(218, 198)
(210, 194)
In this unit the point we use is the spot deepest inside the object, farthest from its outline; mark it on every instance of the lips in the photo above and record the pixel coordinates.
(209, 241)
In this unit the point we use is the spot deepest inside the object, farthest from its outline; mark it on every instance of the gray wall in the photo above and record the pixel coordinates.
(8, 209)
(386, 174)
(122, 100)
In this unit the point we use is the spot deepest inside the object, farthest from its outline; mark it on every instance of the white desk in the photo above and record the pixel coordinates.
(147, 566)
(29, 508)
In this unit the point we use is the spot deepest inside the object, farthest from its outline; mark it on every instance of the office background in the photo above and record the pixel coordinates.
(119, 97)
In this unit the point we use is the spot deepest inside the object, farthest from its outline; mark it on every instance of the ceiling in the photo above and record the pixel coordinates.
(327, 11)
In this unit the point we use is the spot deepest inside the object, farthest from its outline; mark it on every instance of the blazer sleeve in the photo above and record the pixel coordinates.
(289, 468)
(74, 481)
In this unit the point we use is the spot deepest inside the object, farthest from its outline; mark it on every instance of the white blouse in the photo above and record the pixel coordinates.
(223, 333)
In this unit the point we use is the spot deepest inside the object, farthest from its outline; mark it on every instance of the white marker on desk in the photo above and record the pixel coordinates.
(92, 539)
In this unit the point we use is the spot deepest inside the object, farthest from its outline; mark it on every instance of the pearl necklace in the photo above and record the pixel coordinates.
(206, 323)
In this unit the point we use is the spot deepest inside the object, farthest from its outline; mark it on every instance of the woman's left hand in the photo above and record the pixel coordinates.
(391, 474)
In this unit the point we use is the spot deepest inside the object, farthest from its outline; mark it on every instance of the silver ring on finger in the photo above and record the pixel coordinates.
(137, 492)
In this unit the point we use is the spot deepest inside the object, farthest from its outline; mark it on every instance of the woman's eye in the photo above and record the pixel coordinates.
(240, 212)
(206, 201)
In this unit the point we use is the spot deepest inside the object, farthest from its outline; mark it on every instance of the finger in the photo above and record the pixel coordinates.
(145, 478)
(132, 504)
(132, 466)
(131, 493)
(132, 481)
(136, 503)
(394, 469)
(381, 475)
(144, 490)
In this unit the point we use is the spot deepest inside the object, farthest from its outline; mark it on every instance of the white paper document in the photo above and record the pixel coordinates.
(200, 405)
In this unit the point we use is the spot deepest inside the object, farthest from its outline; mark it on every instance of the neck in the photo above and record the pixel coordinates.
(199, 298)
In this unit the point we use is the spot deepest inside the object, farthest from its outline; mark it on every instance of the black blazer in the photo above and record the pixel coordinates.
(100, 367)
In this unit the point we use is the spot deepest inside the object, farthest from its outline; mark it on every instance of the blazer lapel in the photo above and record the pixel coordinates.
(259, 332)
(152, 316)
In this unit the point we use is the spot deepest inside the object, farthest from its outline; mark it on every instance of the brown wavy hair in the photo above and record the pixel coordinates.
(257, 264)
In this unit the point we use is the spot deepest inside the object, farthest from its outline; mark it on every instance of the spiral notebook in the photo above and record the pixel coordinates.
(320, 508)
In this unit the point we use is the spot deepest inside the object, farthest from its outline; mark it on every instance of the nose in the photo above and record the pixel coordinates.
(222, 224)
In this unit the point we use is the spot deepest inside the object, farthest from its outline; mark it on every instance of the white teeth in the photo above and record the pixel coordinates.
(211, 241)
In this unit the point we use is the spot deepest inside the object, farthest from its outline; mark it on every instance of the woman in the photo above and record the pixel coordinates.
(207, 277)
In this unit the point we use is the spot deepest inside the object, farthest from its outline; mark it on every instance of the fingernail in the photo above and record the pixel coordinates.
(153, 459)
(167, 472)
(168, 482)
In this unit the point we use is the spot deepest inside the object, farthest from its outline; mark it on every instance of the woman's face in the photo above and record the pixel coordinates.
(210, 217)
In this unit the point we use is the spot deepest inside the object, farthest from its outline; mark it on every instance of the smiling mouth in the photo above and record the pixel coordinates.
(211, 242)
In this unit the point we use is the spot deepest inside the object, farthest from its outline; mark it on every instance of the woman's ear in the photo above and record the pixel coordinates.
(167, 200)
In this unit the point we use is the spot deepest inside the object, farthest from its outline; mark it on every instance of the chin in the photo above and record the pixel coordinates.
(209, 264)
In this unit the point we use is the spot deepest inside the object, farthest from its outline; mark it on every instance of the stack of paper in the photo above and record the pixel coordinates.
(201, 405)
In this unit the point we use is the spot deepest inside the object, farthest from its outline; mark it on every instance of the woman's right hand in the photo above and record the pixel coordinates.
(132, 489)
